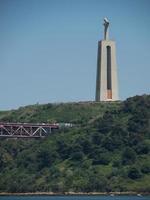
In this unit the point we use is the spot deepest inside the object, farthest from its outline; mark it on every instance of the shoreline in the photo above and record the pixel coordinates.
(74, 193)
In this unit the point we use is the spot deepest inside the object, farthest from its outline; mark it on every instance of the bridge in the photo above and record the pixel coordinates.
(25, 130)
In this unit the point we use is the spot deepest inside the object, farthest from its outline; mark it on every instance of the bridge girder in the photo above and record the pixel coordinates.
(20, 130)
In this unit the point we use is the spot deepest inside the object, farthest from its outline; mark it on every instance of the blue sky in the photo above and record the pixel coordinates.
(48, 49)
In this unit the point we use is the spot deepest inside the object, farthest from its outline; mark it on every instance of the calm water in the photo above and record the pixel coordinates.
(74, 198)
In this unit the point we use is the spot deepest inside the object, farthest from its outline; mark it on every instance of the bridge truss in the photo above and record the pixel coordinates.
(22, 130)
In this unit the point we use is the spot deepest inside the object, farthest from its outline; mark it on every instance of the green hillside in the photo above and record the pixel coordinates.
(107, 150)
(78, 113)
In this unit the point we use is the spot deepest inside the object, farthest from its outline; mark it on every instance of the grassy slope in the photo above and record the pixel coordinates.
(65, 112)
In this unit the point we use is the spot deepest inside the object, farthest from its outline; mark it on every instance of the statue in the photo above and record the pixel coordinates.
(106, 25)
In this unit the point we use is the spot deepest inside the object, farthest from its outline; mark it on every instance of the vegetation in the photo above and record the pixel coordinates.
(107, 150)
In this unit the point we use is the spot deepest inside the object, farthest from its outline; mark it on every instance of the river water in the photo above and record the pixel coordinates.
(74, 197)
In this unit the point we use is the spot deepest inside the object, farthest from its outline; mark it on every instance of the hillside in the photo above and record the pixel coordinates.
(78, 113)
(109, 150)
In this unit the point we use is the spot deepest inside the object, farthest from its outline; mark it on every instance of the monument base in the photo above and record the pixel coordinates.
(106, 83)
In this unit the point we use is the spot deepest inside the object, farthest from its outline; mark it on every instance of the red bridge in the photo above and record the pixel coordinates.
(20, 130)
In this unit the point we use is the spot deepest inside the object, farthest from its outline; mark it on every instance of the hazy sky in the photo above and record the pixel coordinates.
(48, 49)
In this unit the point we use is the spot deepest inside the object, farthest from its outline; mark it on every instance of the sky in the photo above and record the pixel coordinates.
(48, 49)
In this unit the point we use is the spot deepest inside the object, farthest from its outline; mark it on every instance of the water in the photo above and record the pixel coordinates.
(74, 197)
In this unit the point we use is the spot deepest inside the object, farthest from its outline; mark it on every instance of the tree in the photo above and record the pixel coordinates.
(134, 173)
(46, 157)
(145, 168)
(101, 158)
(77, 156)
(128, 156)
